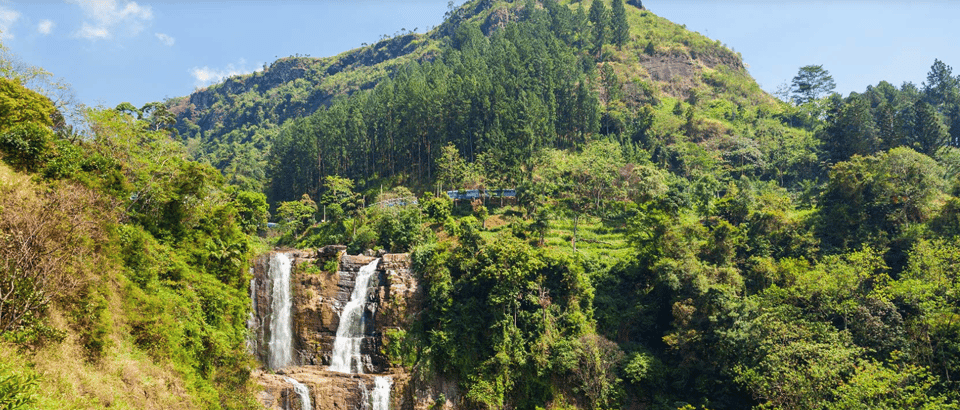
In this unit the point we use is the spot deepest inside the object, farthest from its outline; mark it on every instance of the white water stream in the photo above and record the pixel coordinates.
(280, 345)
(346, 357)
(380, 398)
(302, 391)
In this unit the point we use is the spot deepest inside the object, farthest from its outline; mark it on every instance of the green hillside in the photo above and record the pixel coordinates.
(643, 88)
(678, 239)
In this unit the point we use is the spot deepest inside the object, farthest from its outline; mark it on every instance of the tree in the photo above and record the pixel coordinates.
(619, 24)
(589, 180)
(599, 18)
(595, 373)
(451, 168)
(252, 209)
(19, 104)
(869, 198)
(811, 83)
(929, 133)
(849, 129)
(27, 146)
(158, 116)
(297, 214)
(339, 191)
(941, 86)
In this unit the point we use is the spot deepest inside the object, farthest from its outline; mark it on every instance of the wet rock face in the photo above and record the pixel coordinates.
(318, 298)
(328, 390)
(315, 313)
(400, 296)
(262, 299)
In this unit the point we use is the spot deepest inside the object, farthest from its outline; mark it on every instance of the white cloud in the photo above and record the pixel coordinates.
(165, 39)
(45, 27)
(206, 75)
(7, 18)
(93, 33)
(104, 18)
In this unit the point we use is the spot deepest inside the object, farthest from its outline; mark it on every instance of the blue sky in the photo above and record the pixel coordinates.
(112, 51)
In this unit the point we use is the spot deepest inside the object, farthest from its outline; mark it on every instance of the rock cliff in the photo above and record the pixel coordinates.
(318, 298)
(328, 390)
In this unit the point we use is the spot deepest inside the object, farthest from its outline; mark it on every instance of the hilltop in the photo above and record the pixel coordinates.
(650, 78)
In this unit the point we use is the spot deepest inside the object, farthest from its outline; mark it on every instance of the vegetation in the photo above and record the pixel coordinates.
(675, 242)
(691, 243)
(123, 274)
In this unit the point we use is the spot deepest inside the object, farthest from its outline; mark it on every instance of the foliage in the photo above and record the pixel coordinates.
(27, 146)
(252, 210)
(399, 228)
(874, 199)
(17, 391)
(21, 105)
(676, 242)
(47, 245)
(299, 215)
(811, 83)
(125, 239)
(620, 28)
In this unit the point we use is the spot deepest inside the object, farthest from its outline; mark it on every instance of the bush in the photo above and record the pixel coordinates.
(46, 248)
(400, 229)
(16, 390)
(438, 208)
(27, 146)
(644, 369)
(365, 239)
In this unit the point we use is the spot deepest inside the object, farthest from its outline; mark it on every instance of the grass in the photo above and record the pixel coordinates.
(595, 240)
(123, 378)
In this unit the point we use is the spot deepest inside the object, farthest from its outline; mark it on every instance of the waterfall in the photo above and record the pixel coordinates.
(303, 391)
(252, 318)
(364, 396)
(345, 357)
(280, 346)
(380, 398)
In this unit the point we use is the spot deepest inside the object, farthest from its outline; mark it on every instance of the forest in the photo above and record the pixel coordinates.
(675, 242)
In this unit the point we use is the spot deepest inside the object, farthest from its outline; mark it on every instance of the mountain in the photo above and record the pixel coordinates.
(676, 237)
(643, 87)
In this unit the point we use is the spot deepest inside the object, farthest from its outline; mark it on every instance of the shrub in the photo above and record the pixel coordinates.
(27, 146)
(16, 390)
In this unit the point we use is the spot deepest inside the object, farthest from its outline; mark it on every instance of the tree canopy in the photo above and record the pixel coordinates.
(811, 83)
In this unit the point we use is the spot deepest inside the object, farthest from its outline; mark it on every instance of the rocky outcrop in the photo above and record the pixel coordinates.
(319, 296)
(262, 298)
(328, 390)
(400, 296)
(678, 72)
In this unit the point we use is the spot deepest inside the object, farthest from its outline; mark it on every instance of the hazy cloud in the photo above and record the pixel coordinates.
(45, 27)
(8, 16)
(165, 39)
(206, 75)
(105, 18)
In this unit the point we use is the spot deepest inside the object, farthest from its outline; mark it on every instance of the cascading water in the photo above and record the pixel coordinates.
(380, 398)
(302, 391)
(345, 357)
(280, 345)
(252, 318)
